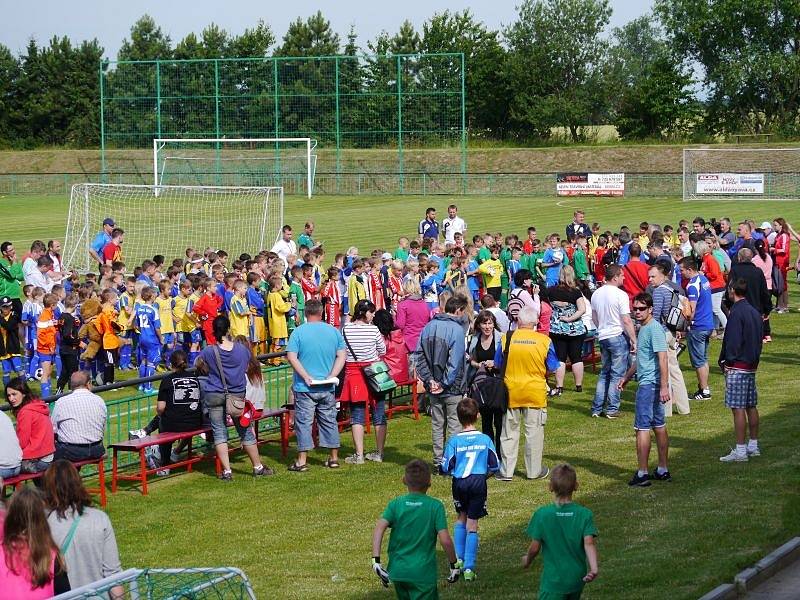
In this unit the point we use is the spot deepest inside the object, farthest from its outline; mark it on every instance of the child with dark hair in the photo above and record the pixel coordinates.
(470, 457)
(417, 522)
(564, 532)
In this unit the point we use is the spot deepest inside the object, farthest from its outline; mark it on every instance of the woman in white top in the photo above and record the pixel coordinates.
(365, 345)
(10, 452)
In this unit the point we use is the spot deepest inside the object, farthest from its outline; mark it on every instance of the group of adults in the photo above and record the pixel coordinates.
(41, 267)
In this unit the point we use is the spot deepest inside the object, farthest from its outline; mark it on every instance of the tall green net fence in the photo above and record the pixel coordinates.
(382, 123)
(225, 583)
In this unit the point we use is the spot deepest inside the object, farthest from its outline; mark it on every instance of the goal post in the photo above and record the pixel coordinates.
(282, 162)
(741, 174)
(169, 219)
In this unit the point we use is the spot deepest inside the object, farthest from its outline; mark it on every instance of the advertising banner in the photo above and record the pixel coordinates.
(730, 183)
(590, 184)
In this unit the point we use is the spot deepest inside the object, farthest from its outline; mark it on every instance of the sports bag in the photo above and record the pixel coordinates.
(376, 374)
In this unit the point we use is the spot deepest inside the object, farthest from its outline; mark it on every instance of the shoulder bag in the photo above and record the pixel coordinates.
(376, 374)
(234, 405)
(490, 391)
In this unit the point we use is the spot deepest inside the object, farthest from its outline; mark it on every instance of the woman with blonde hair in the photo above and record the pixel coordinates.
(566, 327)
(710, 268)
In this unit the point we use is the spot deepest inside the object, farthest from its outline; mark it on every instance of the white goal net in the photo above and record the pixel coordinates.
(741, 173)
(289, 163)
(168, 219)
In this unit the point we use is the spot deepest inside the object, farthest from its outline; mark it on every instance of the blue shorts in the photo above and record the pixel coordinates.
(469, 496)
(377, 411)
(697, 341)
(168, 339)
(649, 412)
(150, 353)
(45, 357)
(187, 338)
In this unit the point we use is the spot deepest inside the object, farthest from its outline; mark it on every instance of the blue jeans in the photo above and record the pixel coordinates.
(78, 452)
(614, 353)
(216, 417)
(648, 411)
(6, 472)
(358, 413)
(306, 405)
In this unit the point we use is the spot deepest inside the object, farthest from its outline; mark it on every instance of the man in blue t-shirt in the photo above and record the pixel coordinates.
(429, 226)
(316, 352)
(102, 238)
(701, 322)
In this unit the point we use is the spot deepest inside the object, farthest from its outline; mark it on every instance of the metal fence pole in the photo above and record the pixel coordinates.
(400, 123)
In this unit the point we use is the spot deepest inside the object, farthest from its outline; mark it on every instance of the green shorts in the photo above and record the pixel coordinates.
(407, 590)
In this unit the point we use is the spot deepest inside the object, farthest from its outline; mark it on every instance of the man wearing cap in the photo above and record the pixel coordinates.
(11, 277)
(769, 234)
(101, 239)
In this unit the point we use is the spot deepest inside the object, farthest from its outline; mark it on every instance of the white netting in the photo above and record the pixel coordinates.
(168, 219)
(741, 173)
(286, 162)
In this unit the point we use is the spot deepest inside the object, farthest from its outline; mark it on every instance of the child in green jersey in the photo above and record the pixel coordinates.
(564, 532)
(417, 521)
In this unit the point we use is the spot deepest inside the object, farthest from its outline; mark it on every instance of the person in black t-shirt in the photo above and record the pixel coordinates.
(178, 405)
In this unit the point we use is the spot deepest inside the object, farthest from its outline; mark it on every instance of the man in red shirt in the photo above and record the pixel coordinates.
(112, 251)
(637, 273)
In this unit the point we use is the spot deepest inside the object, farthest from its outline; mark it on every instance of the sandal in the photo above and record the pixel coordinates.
(331, 464)
(294, 467)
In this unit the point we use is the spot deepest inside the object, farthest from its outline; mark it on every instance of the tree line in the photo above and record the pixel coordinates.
(691, 69)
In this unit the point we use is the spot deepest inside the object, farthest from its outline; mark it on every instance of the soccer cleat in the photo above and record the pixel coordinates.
(733, 456)
(637, 481)
(374, 456)
(355, 459)
(470, 575)
(665, 476)
(754, 451)
(455, 571)
(136, 434)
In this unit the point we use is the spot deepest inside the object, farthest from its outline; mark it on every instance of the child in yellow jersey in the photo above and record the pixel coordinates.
(355, 286)
(276, 310)
(165, 304)
(189, 324)
(125, 321)
(239, 314)
(492, 271)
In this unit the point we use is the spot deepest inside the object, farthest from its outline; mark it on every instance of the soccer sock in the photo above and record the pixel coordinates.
(741, 449)
(58, 364)
(460, 538)
(33, 364)
(125, 357)
(45, 389)
(6, 378)
(641, 473)
(752, 444)
(149, 371)
(471, 550)
(661, 470)
(143, 371)
(192, 357)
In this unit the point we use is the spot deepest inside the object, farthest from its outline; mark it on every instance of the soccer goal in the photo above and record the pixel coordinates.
(168, 219)
(741, 173)
(285, 162)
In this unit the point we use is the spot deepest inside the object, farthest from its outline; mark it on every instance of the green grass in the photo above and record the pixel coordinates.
(308, 535)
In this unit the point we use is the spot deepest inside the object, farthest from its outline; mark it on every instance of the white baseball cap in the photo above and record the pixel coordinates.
(386, 256)
(766, 225)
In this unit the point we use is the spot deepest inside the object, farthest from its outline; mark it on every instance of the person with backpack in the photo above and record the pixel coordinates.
(523, 294)
(666, 296)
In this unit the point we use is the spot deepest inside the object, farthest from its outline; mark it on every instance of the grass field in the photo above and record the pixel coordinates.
(308, 535)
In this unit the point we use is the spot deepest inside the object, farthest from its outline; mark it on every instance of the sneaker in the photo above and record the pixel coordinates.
(733, 456)
(226, 476)
(470, 575)
(459, 565)
(162, 472)
(665, 476)
(355, 459)
(374, 456)
(263, 471)
(642, 481)
(767, 339)
(136, 434)
(542, 474)
(702, 395)
(578, 388)
(501, 477)
(556, 391)
(174, 457)
(595, 415)
(612, 415)
(754, 452)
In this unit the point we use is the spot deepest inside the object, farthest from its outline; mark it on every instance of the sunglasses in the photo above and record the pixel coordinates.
(640, 308)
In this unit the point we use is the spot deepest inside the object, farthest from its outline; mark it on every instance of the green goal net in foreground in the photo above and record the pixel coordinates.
(225, 583)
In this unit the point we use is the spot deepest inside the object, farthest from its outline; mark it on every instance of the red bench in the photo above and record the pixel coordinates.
(17, 481)
(140, 445)
(414, 406)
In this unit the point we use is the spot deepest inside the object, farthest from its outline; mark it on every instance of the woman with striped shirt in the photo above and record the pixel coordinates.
(365, 345)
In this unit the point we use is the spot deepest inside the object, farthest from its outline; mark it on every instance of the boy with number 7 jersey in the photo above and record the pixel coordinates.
(470, 457)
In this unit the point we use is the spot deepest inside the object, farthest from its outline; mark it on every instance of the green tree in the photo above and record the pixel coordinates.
(9, 75)
(146, 42)
(556, 52)
(484, 58)
(312, 37)
(749, 54)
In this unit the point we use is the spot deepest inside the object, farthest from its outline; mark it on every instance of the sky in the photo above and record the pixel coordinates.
(110, 20)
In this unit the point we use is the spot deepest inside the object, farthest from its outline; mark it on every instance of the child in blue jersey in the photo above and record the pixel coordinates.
(430, 286)
(473, 278)
(470, 457)
(147, 323)
(513, 265)
(31, 310)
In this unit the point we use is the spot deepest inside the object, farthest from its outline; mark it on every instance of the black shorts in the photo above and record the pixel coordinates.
(469, 496)
(568, 346)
